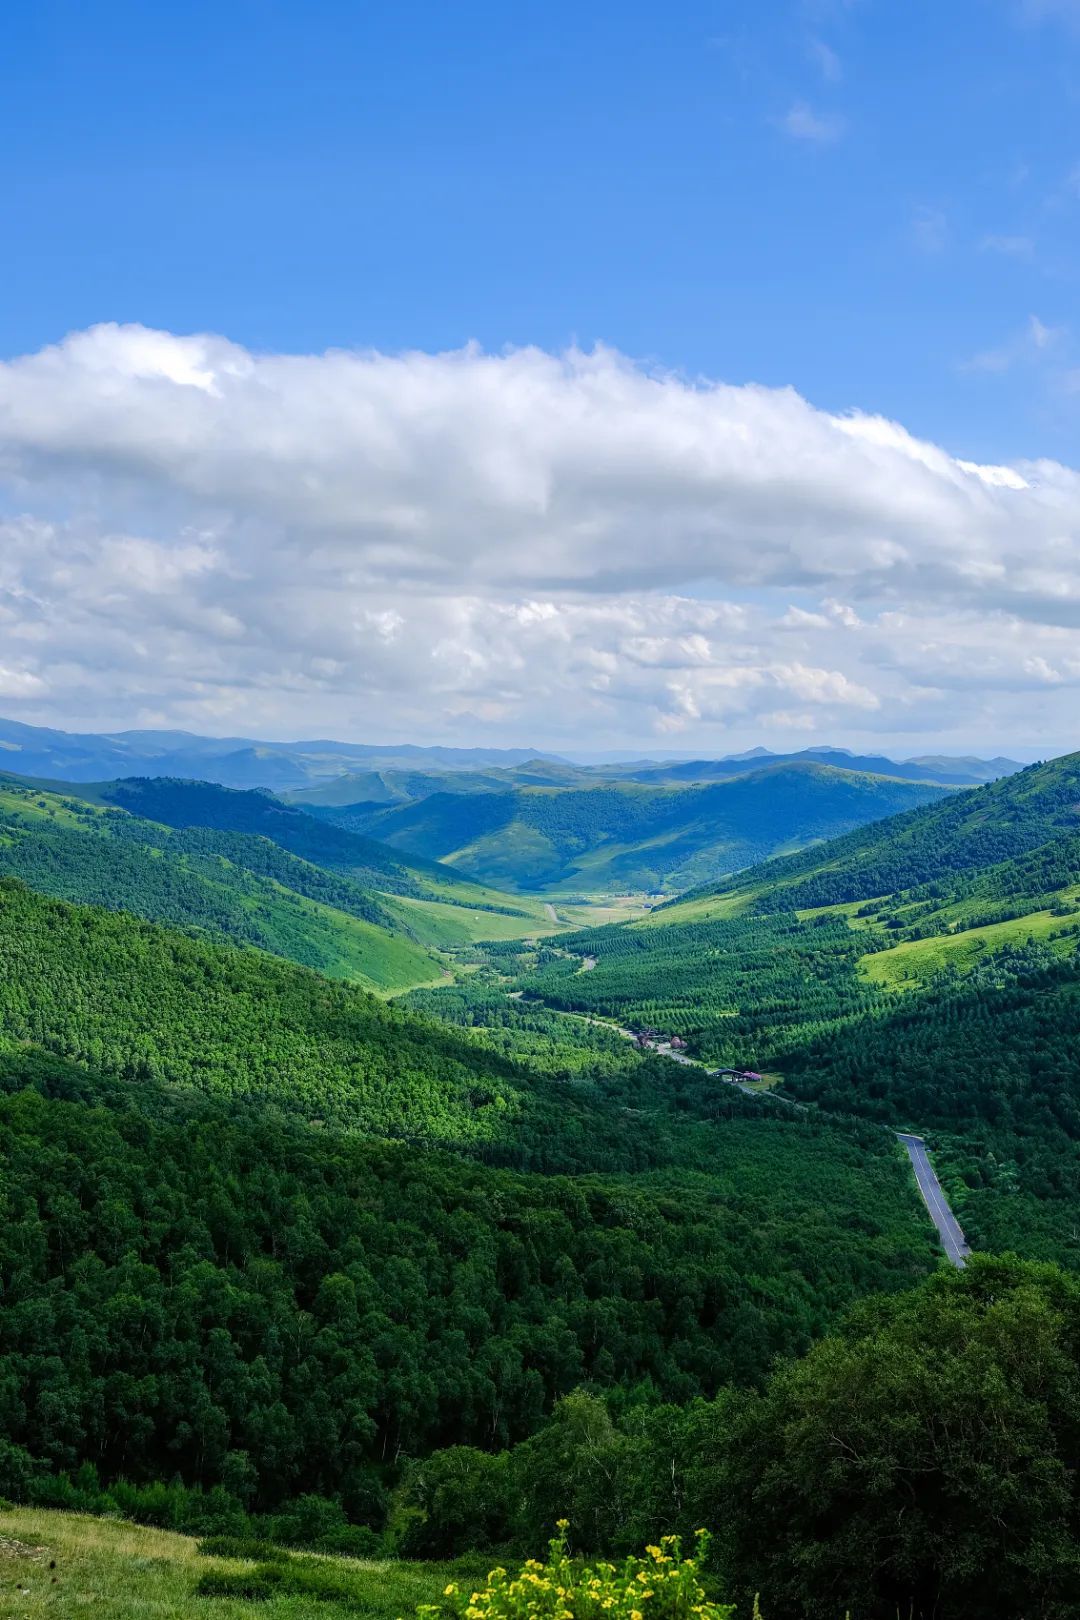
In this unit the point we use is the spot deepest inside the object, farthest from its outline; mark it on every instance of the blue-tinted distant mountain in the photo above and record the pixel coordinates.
(290, 767)
(936, 768)
(240, 762)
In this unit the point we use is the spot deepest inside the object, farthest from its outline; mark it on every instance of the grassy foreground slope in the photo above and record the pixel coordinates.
(631, 836)
(63, 1564)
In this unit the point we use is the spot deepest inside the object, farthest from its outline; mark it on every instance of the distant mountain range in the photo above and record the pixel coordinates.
(323, 764)
(240, 762)
(634, 834)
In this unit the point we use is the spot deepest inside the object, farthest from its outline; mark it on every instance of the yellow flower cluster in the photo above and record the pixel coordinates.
(661, 1586)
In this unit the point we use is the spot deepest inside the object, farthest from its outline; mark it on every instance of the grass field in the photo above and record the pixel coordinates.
(445, 926)
(55, 1566)
(914, 963)
(706, 908)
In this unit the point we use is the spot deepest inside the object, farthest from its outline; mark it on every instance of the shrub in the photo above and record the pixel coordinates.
(254, 1586)
(241, 1547)
(661, 1586)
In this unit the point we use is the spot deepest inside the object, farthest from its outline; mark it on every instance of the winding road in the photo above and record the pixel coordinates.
(952, 1238)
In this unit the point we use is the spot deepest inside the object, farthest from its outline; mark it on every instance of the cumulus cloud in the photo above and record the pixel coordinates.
(547, 546)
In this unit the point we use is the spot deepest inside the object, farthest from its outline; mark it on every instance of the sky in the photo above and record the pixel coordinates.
(684, 377)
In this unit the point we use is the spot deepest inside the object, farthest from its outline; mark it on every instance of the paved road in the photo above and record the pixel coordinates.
(952, 1238)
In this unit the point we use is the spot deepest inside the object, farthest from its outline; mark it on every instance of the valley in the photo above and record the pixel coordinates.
(351, 1191)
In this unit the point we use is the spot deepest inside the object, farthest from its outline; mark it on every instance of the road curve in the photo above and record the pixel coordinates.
(952, 1238)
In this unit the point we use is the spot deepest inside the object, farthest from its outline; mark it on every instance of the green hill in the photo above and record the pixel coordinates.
(239, 887)
(627, 836)
(964, 833)
(342, 904)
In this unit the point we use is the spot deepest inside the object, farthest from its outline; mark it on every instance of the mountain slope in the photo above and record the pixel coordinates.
(938, 768)
(969, 832)
(629, 836)
(369, 921)
(363, 790)
(235, 886)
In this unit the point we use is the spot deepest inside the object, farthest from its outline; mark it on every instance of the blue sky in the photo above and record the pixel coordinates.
(818, 483)
(857, 199)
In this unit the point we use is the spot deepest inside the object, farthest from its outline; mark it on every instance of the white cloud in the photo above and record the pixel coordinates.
(802, 123)
(19, 683)
(1035, 339)
(1010, 247)
(826, 61)
(429, 544)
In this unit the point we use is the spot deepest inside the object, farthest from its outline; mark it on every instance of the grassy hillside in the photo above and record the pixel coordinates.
(179, 803)
(239, 864)
(68, 1563)
(236, 886)
(629, 836)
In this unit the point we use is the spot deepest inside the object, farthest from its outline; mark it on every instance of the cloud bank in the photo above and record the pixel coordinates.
(551, 547)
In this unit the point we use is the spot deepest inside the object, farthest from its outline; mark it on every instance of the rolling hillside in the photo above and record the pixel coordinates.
(347, 908)
(626, 836)
(272, 1235)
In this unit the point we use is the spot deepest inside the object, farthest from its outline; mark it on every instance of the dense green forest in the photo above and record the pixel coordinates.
(742, 990)
(192, 1287)
(630, 835)
(178, 803)
(919, 1462)
(989, 1066)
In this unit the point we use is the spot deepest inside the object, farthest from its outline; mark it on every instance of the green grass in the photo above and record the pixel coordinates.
(55, 1566)
(354, 949)
(914, 963)
(443, 925)
(702, 908)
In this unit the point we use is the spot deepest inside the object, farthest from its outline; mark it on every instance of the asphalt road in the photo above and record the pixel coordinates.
(952, 1238)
